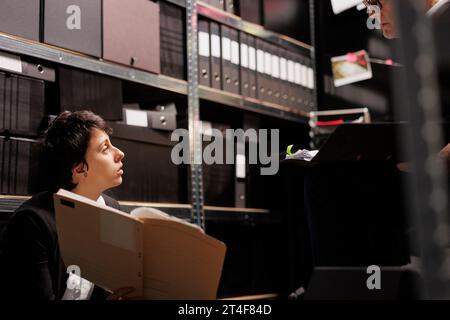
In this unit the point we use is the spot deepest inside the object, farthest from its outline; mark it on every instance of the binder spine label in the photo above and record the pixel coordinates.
(311, 78)
(283, 69)
(226, 49)
(252, 58)
(244, 55)
(203, 43)
(260, 61)
(304, 80)
(215, 46)
(234, 52)
(276, 67)
(291, 71)
(267, 63)
(298, 74)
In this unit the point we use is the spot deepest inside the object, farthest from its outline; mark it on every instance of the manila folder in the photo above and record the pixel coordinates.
(105, 243)
(181, 262)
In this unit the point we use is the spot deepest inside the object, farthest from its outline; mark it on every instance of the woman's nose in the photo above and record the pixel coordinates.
(119, 154)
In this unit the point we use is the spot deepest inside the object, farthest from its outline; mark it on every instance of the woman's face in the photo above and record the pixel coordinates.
(387, 18)
(104, 163)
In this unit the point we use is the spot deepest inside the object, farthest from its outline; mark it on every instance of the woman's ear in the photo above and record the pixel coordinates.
(79, 172)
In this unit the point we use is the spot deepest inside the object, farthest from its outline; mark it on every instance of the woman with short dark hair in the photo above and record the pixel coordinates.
(77, 155)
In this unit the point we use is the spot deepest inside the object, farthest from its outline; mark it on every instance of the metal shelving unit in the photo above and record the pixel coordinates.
(190, 88)
(195, 135)
(69, 58)
(184, 211)
(73, 59)
(246, 103)
(9, 204)
(236, 22)
(316, 49)
(253, 105)
(195, 211)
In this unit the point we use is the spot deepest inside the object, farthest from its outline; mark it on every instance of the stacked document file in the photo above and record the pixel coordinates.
(305, 155)
(161, 256)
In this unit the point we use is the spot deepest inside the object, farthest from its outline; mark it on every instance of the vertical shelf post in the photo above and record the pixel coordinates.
(315, 9)
(195, 134)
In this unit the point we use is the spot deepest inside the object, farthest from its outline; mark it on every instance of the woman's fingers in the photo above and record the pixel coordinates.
(120, 293)
(404, 167)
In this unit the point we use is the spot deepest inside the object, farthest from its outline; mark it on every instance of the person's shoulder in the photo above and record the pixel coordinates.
(40, 203)
(39, 209)
(34, 218)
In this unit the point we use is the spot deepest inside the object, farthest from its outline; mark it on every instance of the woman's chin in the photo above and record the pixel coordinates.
(118, 181)
(388, 33)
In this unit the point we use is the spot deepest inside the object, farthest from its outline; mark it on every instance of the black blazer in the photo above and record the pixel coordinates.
(31, 263)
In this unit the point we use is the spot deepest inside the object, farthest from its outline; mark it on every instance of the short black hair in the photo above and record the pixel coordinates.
(64, 145)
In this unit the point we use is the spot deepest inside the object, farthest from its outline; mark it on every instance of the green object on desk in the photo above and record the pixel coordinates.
(289, 150)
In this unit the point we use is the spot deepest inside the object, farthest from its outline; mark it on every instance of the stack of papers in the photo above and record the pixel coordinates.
(162, 257)
(305, 155)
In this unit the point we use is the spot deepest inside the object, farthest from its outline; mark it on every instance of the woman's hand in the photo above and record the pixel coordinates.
(123, 293)
(445, 155)
(404, 167)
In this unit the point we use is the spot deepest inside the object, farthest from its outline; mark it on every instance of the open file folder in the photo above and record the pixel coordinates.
(358, 142)
(162, 257)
